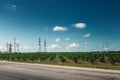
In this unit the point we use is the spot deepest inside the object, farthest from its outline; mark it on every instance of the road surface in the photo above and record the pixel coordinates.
(26, 71)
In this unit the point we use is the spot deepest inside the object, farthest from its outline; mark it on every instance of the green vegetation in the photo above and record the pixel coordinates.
(109, 60)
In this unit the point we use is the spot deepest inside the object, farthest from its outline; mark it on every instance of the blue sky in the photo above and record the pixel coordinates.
(66, 25)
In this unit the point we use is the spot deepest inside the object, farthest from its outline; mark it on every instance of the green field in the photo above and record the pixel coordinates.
(80, 59)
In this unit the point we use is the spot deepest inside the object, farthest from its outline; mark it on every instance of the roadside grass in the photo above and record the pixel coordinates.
(83, 64)
(100, 66)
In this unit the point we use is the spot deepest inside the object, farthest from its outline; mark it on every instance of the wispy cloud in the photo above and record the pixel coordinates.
(86, 46)
(46, 28)
(80, 25)
(106, 49)
(67, 39)
(25, 47)
(87, 35)
(73, 45)
(59, 28)
(11, 6)
(58, 40)
(54, 46)
(85, 43)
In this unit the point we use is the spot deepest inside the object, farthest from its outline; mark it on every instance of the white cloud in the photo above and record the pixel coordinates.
(73, 45)
(2, 48)
(106, 49)
(67, 39)
(59, 28)
(17, 41)
(54, 46)
(87, 35)
(117, 49)
(80, 25)
(25, 47)
(58, 40)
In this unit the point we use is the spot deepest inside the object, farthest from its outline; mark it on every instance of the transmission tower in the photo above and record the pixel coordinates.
(102, 47)
(7, 47)
(14, 45)
(10, 48)
(107, 46)
(39, 44)
(45, 46)
(18, 47)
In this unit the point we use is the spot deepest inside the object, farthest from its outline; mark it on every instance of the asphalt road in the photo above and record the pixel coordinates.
(23, 71)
